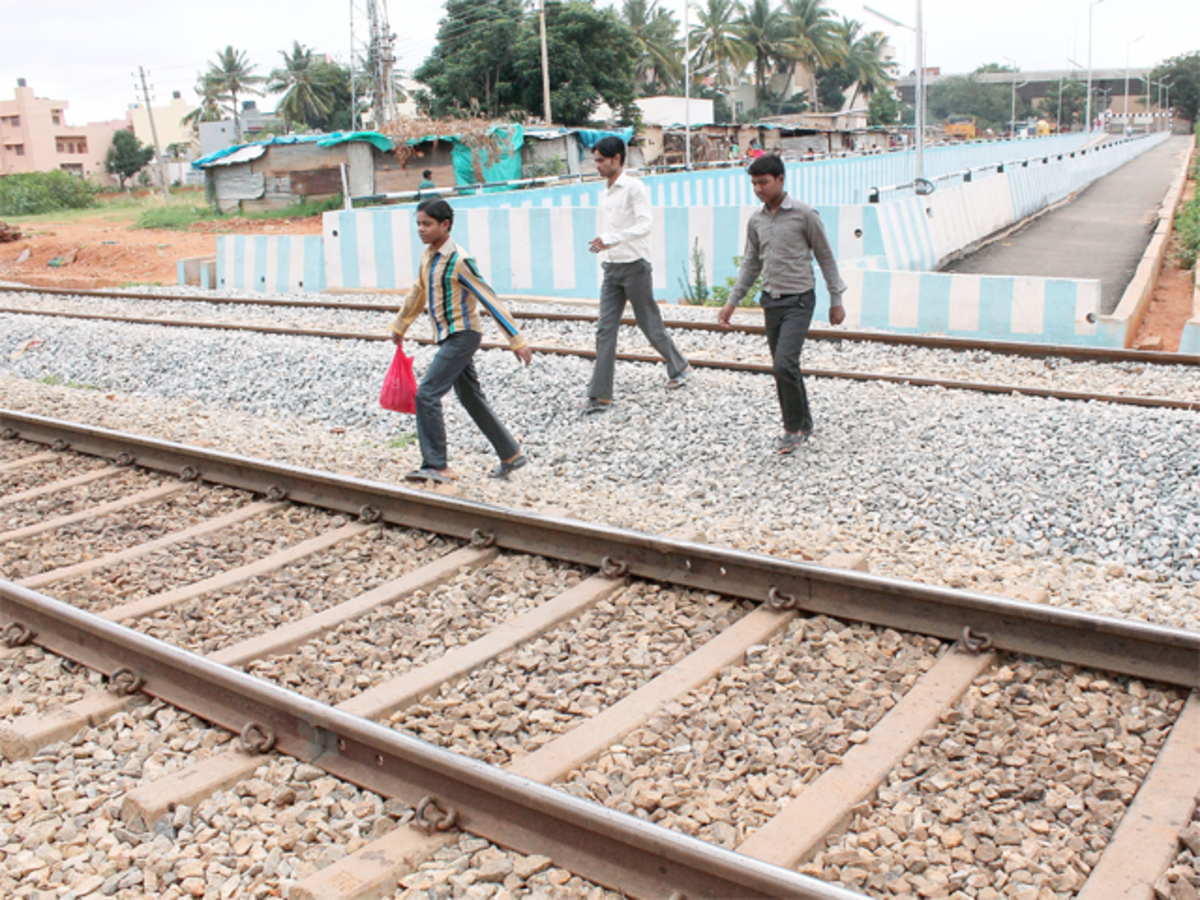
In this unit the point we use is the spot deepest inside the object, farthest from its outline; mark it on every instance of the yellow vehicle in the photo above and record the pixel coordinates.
(960, 128)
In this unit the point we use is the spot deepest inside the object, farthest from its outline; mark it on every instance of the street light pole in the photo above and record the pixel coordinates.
(1127, 49)
(545, 67)
(687, 89)
(919, 106)
(1089, 84)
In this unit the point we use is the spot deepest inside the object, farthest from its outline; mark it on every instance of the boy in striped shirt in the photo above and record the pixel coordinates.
(451, 288)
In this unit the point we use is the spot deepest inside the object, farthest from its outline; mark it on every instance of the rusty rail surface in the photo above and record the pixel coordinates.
(699, 363)
(1118, 645)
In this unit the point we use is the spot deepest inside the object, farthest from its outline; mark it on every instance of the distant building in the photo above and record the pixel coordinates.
(35, 137)
(168, 121)
(216, 136)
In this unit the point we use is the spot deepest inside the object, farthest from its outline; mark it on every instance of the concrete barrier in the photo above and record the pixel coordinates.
(1190, 341)
(199, 271)
(1121, 327)
(283, 263)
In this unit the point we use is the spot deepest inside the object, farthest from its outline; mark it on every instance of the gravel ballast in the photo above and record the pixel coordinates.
(1098, 504)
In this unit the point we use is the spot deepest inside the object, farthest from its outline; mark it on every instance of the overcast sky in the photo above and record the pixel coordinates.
(87, 53)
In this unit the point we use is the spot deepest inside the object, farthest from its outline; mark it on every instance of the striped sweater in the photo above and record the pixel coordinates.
(452, 289)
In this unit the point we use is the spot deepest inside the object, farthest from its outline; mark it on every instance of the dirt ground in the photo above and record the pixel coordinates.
(111, 254)
(1172, 304)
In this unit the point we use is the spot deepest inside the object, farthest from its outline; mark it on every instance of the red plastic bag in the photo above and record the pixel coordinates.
(399, 392)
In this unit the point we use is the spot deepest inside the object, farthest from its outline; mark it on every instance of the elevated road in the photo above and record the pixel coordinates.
(1101, 234)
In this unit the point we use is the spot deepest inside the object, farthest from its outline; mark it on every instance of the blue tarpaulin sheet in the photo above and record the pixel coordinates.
(322, 140)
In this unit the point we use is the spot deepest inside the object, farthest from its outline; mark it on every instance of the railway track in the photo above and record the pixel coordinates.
(702, 360)
(660, 717)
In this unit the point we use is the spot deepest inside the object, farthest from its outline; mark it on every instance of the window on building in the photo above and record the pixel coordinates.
(73, 168)
(83, 146)
(20, 149)
(15, 121)
(62, 148)
(56, 116)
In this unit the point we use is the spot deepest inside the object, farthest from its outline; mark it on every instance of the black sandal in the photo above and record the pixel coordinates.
(507, 468)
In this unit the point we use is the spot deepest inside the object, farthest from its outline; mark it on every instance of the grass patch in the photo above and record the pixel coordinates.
(301, 210)
(399, 443)
(174, 218)
(59, 381)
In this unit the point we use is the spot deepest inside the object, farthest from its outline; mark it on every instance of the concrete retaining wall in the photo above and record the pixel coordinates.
(1190, 342)
(284, 263)
(886, 251)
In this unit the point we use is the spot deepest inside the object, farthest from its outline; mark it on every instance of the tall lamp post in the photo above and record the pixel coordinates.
(1129, 46)
(919, 112)
(1094, 3)
(1012, 122)
(687, 89)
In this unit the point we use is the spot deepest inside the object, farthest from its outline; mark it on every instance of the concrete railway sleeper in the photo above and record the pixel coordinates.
(955, 371)
(661, 717)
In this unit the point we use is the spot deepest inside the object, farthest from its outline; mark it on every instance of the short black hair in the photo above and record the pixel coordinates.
(611, 146)
(438, 210)
(428, 173)
(767, 165)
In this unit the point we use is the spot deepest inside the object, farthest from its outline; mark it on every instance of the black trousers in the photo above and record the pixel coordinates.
(787, 319)
(453, 367)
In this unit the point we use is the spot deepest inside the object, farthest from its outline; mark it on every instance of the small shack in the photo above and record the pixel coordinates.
(283, 171)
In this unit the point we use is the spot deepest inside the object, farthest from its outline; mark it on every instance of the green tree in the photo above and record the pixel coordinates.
(307, 84)
(209, 90)
(233, 74)
(812, 38)
(883, 109)
(965, 95)
(127, 156)
(471, 70)
(1183, 74)
(865, 63)
(762, 28)
(831, 87)
(717, 44)
(592, 58)
(1074, 103)
(659, 66)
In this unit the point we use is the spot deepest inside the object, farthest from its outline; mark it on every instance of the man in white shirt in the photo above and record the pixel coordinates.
(624, 248)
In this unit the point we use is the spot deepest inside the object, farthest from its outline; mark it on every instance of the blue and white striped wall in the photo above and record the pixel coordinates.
(274, 263)
(1026, 309)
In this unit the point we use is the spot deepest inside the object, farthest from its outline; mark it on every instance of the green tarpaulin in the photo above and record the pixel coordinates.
(508, 167)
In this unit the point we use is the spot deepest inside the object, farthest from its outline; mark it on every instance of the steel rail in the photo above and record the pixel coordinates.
(936, 342)
(700, 363)
(611, 848)
(1101, 642)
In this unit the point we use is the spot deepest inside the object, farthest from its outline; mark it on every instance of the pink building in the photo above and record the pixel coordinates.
(35, 137)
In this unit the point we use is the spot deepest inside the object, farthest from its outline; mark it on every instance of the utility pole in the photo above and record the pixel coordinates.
(383, 62)
(545, 66)
(1089, 84)
(162, 171)
(687, 89)
(353, 86)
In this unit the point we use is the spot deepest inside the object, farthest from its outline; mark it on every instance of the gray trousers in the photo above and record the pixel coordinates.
(628, 282)
(787, 319)
(453, 367)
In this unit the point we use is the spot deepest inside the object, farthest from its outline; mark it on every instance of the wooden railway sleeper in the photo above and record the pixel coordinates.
(975, 642)
(17, 635)
(125, 681)
(445, 821)
(257, 738)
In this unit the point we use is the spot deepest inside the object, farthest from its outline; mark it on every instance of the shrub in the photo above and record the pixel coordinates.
(1187, 233)
(31, 193)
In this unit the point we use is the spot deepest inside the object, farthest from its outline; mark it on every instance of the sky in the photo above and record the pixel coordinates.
(89, 53)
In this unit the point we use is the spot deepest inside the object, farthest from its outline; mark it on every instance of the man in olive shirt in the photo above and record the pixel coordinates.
(781, 240)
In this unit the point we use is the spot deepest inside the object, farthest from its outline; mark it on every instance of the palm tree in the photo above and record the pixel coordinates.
(234, 74)
(812, 38)
(211, 98)
(864, 60)
(655, 32)
(717, 44)
(763, 31)
(306, 82)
